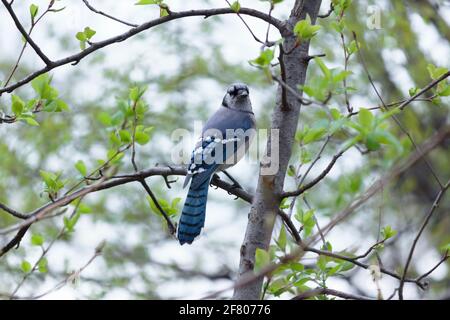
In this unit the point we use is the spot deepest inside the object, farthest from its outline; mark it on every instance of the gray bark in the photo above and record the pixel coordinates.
(285, 118)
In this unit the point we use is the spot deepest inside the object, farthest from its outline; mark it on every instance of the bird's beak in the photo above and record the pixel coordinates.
(243, 93)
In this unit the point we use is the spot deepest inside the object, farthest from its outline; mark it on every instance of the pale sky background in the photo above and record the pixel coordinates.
(237, 46)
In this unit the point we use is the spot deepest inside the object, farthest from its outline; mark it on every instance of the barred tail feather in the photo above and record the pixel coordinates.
(193, 216)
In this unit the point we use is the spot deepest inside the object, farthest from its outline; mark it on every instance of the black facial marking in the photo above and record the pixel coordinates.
(237, 88)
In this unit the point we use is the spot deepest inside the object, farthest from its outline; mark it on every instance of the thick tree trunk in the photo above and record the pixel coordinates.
(285, 118)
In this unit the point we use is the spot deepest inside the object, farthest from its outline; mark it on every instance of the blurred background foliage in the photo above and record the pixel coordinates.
(186, 65)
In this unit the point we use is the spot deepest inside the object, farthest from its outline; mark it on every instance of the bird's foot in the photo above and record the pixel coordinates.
(215, 177)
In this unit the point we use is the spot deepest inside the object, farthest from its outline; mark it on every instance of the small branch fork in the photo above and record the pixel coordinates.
(430, 213)
(27, 37)
(90, 7)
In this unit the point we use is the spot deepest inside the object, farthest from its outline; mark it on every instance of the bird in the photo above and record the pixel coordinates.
(225, 138)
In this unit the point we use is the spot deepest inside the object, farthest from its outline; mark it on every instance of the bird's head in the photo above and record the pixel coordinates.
(237, 97)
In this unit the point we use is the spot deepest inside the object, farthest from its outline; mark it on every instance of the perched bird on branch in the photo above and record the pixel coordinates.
(225, 139)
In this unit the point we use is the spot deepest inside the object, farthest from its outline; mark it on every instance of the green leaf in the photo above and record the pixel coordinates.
(282, 238)
(446, 247)
(37, 240)
(61, 105)
(81, 36)
(17, 105)
(84, 36)
(125, 136)
(49, 178)
(304, 30)
(365, 118)
(84, 209)
(41, 84)
(81, 167)
(262, 259)
(25, 266)
(236, 6)
(264, 58)
(387, 232)
(335, 113)
(352, 48)
(284, 204)
(372, 143)
(413, 91)
(443, 89)
(145, 2)
(295, 266)
(114, 156)
(42, 265)
(314, 134)
(31, 121)
(114, 139)
(306, 219)
(33, 11)
(105, 119)
(436, 72)
(326, 72)
(338, 26)
(322, 263)
(385, 137)
(142, 138)
(300, 283)
(290, 172)
(134, 94)
(163, 12)
(89, 33)
(341, 76)
(70, 223)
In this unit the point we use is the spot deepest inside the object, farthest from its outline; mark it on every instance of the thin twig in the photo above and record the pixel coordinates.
(71, 278)
(44, 253)
(108, 15)
(170, 224)
(13, 212)
(316, 180)
(416, 239)
(401, 107)
(33, 24)
(248, 27)
(326, 291)
(443, 259)
(326, 15)
(19, 26)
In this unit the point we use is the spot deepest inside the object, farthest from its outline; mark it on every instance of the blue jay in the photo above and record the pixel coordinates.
(225, 138)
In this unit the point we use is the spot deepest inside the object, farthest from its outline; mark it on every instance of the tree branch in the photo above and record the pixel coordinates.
(266, 201)
(13, 212)
(19, 26)
(75, 58)
(316, 180)
(42, 212)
